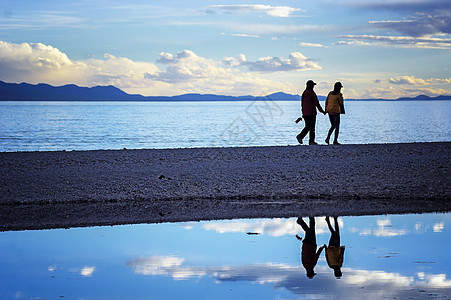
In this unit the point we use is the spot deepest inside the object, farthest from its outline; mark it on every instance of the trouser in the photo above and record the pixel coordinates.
(334, 125)
(309, 127)
(310, 235)
(334, 234)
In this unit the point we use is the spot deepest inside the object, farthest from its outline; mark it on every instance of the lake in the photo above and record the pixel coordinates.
(39, 126)
(385, 257)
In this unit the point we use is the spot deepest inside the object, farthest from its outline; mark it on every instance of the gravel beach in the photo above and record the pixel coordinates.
(40, 190)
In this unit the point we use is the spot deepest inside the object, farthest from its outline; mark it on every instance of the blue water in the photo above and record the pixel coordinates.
(30, 126)
(386, 257)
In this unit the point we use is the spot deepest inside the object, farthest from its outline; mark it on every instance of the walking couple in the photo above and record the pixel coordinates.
(334, 107)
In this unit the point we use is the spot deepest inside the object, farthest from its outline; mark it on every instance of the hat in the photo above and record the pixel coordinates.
(338, 83)
(310, 82)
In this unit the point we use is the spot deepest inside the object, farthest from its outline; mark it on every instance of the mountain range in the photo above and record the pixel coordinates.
(72, 92)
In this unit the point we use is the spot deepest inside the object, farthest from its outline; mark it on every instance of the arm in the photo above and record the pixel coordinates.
(327, 101)
(315, 100)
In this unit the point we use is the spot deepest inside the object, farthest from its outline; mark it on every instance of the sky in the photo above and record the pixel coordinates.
(376, 48)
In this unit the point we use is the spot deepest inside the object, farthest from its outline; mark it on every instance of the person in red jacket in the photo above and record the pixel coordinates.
(309, 103)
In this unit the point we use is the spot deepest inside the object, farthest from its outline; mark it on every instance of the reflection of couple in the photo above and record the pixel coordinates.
(309, 253)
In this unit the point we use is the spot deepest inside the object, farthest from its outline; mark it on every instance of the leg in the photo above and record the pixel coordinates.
(337, 230)
(303, 224)
(337, 127)
(304, 131)
(332, 127)
(328, 225)
(310, 235)
(310, 124)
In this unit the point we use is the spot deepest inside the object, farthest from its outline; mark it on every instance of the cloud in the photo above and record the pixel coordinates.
(185, 72)
(295, 62)
(402, 41)
(273, 11)
(412, 80)
(275, 29)
(310, 45)
(420, 24)
(36, 62)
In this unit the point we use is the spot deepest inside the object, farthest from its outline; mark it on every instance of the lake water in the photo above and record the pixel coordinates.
(391, 257)
(30, 126)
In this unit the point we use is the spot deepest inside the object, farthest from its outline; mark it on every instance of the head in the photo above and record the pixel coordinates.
(310, 85)
(337, 86)
(310, 273)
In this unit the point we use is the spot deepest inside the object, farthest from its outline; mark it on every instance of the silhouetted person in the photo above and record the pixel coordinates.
(309, 255)
(335, 252)
(309, 103)
(334, 106)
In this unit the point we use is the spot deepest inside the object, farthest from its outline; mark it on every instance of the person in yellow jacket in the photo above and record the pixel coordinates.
(334, 107)
(335, 252)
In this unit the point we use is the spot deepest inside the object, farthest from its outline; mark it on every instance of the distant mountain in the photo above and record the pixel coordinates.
(72, 92)
(424, 97)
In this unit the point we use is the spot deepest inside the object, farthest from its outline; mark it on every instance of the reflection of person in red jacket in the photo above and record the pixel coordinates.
(309, 255)
(309, 103)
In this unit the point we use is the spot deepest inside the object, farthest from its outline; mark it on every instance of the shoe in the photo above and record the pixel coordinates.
(337, 143)
(327, 141)
(312, 143)
(298, 137)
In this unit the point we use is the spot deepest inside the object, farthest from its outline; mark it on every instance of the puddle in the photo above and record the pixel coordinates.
(394, 256)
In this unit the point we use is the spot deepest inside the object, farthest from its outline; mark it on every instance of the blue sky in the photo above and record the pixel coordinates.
(377, 48)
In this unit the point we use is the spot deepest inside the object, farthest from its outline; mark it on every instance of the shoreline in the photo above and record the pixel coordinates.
(62, 189)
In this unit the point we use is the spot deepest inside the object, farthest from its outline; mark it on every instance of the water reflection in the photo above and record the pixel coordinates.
(386, 256)
(309, 253)
(335, 251)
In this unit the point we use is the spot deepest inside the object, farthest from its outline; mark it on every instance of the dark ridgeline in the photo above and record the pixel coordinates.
(71, 92)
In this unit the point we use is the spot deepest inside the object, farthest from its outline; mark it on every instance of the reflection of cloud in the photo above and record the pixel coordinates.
(87, 271)
(438, 227)
(363, 277)
(272, 227)
(384, 229)
(376, 283)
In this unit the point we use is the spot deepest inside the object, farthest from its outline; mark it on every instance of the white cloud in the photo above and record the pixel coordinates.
(185, 72)
(273, 11)
(412, 80)
(400, 41)
(275, 29)
(310, 45)
(36, 63)
(295, 62)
